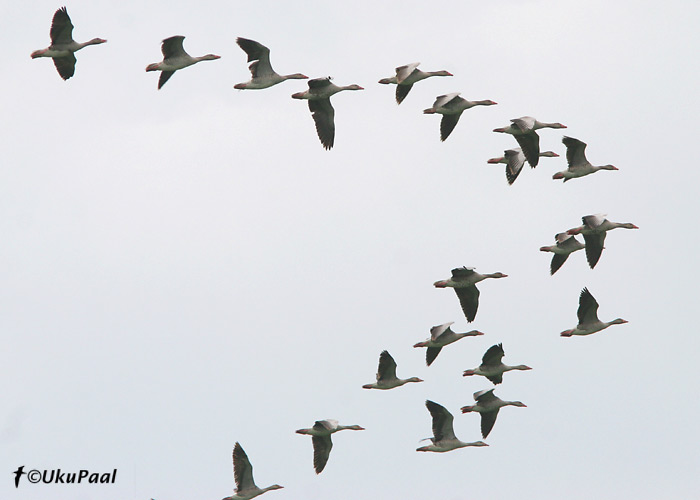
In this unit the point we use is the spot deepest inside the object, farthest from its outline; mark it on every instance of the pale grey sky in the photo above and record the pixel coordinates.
(187, 268)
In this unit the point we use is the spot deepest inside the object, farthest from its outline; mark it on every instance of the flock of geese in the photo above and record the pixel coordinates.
(463, 280)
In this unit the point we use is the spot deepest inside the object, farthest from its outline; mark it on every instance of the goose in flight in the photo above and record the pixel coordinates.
(175, 58)
(319, 97)
(321, 438)
(594, 229)
(524, 131)
(243, 475)
(262, 74)
(451, 106)
(464, 280)
(63, 46)
(440, 336)
(578, 164)
(488, 404)
(444, 438)
(588, 321)
(514, 160)
(386, 374)
(406, 76)
(566, 245)
(492, 367)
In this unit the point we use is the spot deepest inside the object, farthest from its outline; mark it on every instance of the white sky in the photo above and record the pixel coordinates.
(187, 268)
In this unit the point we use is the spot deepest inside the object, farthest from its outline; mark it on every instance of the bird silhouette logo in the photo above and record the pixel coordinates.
(18, 473)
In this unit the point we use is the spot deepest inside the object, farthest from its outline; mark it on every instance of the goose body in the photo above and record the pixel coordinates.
(524, 131)
(492, 367)
(175, 58)
(576, 159)
(594, 229)
(440, 336)
(321, 438)
(588, 321)
(262, 74)
(488, 405)
(565, 246)
(63, 46)
(243, 475)
(319, 97)
(514, 160)
(464, 280)
(386, 374)
(444, 438)
(451, 106)
(406, 76)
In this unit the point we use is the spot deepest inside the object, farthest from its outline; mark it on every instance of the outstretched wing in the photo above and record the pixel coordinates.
(324, 118)
(65, 65)
(242, 470)
(387, 367)
(469, 300)
(448, 124)
(402, 91)
(61, 28)
(322, 450)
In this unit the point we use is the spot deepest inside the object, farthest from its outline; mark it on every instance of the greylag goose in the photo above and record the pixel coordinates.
(262, 74)
(491, 366)
(319, 97)
(243, 475)
(444, 438)
(566, 245)
(440, 336)
(515, 159)
(321, 438)
(451, 106)
(175, 58)
(594, 229)
(588, 321)
(464, 281)
(406, 76)
(488, 404)
(386, 374)
(576, 158)
(523, 129)
(63, 46)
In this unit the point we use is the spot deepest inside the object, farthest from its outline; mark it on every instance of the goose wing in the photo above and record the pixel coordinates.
(403, 72)
(587, 308)
(558, 260)
(575, 152)
(242, 469)
(442, 421)
(448, 124)
(515, 160)
(61, 28)
(493, 356)
(172, 47)
(469, 300)
(65, 65)
(387, 367)
(488, 419)
(431, 353)
(322, 450)
(402, 91)
(323, 115)
(594, 247)
(530, 144)
(260, 54)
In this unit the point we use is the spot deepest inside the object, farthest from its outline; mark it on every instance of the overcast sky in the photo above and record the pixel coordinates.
(186, 268)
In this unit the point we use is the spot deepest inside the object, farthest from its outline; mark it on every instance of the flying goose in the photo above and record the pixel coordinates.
(63, 46)
(491, 366)
(464, 280)
(175, 58)
(406, 76)
(262, 74)
(523, 129)
(321, 438)
(243, 475)
(488, 404)
(587, 313)
(444, 438)
(386, 374)
(440, 336)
